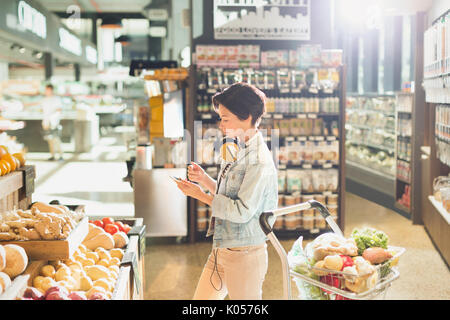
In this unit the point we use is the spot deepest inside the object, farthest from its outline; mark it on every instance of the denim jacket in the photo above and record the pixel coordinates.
(249, 188)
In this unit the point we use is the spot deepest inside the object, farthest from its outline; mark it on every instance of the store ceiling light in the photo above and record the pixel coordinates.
(22, 49)
(37, 54)
(111, 23)
(124, 40)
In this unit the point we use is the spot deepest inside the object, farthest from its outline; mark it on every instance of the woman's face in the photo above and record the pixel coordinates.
(231, 125)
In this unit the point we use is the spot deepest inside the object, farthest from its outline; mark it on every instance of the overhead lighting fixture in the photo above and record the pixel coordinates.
(124, 40)
(111, 23)
(37, 54)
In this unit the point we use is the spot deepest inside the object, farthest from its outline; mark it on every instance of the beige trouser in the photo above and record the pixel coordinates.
(239, 272)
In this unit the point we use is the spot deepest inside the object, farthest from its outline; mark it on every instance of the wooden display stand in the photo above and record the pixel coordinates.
(15, 192)
(16, 189)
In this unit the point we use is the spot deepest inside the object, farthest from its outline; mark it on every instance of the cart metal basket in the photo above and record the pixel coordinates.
(333, 286)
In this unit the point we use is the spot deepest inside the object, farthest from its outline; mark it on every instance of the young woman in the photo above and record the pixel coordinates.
(245, 188)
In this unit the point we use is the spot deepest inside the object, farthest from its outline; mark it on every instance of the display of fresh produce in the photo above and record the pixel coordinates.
(355, 264)
(40, 222)
(368, 238)
(111, 226)
(10, 162)
(87, 275)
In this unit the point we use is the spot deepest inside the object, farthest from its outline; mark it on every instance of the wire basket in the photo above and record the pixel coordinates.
(325, 284)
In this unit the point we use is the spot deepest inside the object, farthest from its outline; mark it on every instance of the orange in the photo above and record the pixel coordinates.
(6, 165)
(3, 151)
(9, 158)
(3, 168)
(17, 162)
(21, 157)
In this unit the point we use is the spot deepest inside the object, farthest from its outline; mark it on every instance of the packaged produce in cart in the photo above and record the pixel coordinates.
(333, 267)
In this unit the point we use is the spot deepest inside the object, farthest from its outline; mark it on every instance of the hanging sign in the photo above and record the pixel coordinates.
(69, 42)
(31, 19)
(91, 54)
(262, 19)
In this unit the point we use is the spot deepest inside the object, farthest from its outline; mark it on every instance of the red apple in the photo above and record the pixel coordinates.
(56, 295)
(97, 296)
(60, 289)
(77, 295)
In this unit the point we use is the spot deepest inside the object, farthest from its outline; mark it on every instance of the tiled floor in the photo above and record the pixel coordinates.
(172, 269)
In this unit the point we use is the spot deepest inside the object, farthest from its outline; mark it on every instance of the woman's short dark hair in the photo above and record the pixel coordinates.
(243, 100)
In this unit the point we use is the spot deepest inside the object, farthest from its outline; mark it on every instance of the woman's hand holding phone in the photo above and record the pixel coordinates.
(196, 173)
(193, 190)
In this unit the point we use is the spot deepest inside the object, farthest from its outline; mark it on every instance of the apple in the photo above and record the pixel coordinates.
(56, 295)
(33, 293)
(60, 289)
(77, 295)
(97, 296)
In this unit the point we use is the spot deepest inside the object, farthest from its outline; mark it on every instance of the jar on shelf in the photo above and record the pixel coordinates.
(320, 222)
(320, 198)
(280, 200)
(202, 224)
(202, 212)
(332, 199)
(333, 209)
(308, 223)
(279, 223)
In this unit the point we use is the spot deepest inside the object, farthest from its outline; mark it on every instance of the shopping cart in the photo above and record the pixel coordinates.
(334, 286)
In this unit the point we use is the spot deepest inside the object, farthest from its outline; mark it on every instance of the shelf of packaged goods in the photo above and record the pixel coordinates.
(404, 136)
(372, 179)
(366, 127)
(404, 111)
(402, 207)
(440, 208)
(370, 170)
(384, 112)
(299, 115)
(379, 147)
(306, 165)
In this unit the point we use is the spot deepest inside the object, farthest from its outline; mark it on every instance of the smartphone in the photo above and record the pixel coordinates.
(175, 178)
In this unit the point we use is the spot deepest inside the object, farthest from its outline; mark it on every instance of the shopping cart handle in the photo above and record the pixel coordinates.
(264, 217)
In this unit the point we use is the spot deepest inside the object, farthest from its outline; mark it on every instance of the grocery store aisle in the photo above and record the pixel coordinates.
(93, 179)
(172, 270)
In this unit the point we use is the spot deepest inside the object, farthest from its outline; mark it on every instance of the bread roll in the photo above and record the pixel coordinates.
(16, 260)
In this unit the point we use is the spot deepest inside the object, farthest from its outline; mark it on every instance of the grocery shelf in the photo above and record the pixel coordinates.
(379, 147)
(371, 178)
(440, 208)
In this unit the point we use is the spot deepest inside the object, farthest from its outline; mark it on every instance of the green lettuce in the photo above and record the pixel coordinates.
(369, 237)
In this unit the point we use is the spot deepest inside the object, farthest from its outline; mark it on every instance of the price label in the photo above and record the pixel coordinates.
(313, 90)
(307, 166)
(313, 231)
(301, 138)
(312, 116)
(206, 116)
(278, 116)
(327, 165)
(331, 138)
(320, 138)
(211, 90)
(267, 116)
(290, 139)
(301, 116)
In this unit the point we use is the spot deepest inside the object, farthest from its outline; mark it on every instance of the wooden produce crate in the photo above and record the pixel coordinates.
(16, 189)
(54, 249)
(131, 281)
